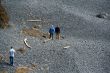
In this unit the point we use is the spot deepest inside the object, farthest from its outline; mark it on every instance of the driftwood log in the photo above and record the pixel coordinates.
(25, 41)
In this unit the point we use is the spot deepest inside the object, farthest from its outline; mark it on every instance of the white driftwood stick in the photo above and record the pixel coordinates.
(66, 47)
(34, 20)
(25, 41)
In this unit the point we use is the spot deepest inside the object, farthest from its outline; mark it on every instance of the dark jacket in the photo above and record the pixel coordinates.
(57, 30)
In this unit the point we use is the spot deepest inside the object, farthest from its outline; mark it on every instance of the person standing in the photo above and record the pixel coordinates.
(51, 31)
(57, 31)
(12, 52)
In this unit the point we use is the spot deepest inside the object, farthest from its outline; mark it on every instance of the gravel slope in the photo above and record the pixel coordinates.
(87, 36)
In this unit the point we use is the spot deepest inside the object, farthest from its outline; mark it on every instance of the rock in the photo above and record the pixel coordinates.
(62, 37)
(102, 15)
(44, 36)
(34, 65)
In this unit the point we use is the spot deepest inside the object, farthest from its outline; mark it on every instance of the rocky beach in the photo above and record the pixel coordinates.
(85, 31)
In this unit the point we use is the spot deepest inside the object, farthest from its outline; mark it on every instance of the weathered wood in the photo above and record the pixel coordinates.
(34, 20)
(25, 41)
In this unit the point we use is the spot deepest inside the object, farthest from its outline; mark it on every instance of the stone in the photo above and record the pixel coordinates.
(102, 15)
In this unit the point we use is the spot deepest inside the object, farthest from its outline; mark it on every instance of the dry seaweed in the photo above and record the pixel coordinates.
(4, 18)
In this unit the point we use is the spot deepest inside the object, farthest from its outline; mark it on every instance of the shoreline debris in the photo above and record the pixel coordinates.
(66, 47)
(25, 41)
(34, 20)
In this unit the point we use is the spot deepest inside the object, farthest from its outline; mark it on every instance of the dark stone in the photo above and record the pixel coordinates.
(44, 36)
(102, 15)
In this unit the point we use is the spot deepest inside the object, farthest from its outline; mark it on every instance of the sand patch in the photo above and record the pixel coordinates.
(22, 70)
(21, 50)
(35, 33)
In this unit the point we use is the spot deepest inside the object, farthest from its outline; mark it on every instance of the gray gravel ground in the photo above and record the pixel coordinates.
(87, 36)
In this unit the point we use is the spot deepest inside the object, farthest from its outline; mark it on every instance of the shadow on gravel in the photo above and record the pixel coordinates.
(4, 64)
(4, 67)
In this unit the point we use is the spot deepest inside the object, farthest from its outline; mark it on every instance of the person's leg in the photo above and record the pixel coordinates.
(12, 60)
(58, 36)
(52, 36)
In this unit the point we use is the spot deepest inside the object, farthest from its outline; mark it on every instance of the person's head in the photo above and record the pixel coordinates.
(11, 47)
(52, 26)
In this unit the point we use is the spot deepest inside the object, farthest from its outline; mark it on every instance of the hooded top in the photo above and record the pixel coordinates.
(52, 29)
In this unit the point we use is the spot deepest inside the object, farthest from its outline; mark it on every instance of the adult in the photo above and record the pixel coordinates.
(51, 31)
(57, 31)
(12, 52)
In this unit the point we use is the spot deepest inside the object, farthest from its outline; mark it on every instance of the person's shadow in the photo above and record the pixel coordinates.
(4, 64)
(4, 67)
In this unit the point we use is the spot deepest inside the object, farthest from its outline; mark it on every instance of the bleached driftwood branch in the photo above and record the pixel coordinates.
(34, 20)
(25, 41)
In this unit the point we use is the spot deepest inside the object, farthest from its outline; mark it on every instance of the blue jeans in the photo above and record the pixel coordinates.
(11, 60)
